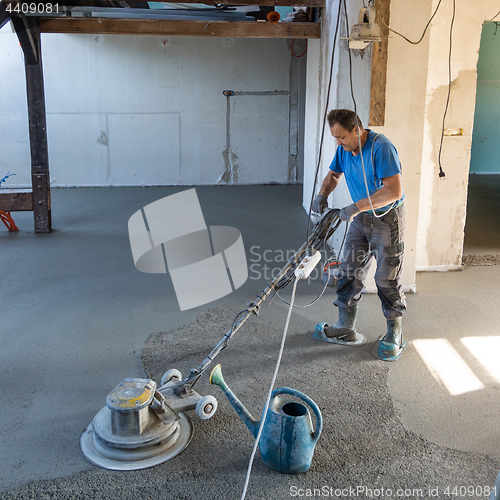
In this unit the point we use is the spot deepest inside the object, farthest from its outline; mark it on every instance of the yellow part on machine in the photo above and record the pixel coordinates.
(131, 393)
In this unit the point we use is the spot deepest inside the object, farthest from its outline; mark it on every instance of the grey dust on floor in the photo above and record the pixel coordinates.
(364, 447)
(481, 260)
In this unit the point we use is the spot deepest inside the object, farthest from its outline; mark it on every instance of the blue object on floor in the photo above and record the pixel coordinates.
(387, 351)
(319, 334)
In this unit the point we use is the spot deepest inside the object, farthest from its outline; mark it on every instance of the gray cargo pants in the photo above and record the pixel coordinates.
(369, 236)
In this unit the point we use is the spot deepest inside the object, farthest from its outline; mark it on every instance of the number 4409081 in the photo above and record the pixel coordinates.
(32, 8)
(469, 491)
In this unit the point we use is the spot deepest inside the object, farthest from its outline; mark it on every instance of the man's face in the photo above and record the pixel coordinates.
(348, 140)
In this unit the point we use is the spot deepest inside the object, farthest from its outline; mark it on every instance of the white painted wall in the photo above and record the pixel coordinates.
(318, 73)
(312, 118)
(131, 110)
(14, 133)
(417, 83)
(443, 201)
(405, 112)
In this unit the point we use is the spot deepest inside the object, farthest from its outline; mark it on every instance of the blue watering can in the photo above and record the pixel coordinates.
(287, 440)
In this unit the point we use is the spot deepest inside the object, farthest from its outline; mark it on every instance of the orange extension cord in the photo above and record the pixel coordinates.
(8, 221)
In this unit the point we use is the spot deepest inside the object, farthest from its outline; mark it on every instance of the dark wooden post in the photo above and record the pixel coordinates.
(28, 32)
(379, 66)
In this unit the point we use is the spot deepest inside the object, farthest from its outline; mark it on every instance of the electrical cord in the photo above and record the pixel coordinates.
(230, 332)
(268, 400)
(425, 29)
(491, 20)
(324, 264)
(6, 177)
(317, 242)
(324, 120)
(441, 173)
(311, 303)
(357, 126)
(288, 279)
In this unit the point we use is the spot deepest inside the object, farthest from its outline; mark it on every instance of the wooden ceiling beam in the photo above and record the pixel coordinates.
(247, 29)
(272, 3)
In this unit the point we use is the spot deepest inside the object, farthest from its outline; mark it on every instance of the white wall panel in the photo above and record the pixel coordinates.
(259, 137)
(14, 137)
(203, 138)
(144, 149)
(173, 90)
(78, 150)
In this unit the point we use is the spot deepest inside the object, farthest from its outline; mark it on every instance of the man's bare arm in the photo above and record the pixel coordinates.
(392, 190)
(330, 182)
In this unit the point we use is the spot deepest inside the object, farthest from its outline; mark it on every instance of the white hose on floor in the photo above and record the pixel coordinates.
(266, 406)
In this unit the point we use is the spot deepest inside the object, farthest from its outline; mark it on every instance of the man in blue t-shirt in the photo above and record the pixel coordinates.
(377, 227)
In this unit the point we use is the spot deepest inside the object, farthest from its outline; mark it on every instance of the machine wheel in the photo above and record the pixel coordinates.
(206, 407)
(170, 375)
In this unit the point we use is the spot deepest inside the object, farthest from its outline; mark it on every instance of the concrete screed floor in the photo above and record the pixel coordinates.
(78, 318)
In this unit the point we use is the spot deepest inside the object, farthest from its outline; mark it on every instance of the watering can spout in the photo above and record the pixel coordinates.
(217, 379)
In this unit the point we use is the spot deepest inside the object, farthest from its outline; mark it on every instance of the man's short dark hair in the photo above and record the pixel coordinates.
(344, 117)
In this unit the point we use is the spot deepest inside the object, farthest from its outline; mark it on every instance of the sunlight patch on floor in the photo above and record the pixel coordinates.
(487, 351)
(447, 366)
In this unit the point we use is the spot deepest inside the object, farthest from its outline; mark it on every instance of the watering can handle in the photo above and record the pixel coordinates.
(308, 401)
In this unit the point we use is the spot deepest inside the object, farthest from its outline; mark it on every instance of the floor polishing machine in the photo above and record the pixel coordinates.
(143, 424)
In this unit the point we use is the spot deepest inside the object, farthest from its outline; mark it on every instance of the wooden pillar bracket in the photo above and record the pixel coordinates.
(27, 31)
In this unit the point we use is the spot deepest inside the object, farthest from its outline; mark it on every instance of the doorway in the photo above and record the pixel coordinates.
(482, 228)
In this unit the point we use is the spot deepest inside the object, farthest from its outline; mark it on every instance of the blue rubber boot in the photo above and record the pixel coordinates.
(394, 334)
(391, 345)
(345, 327)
